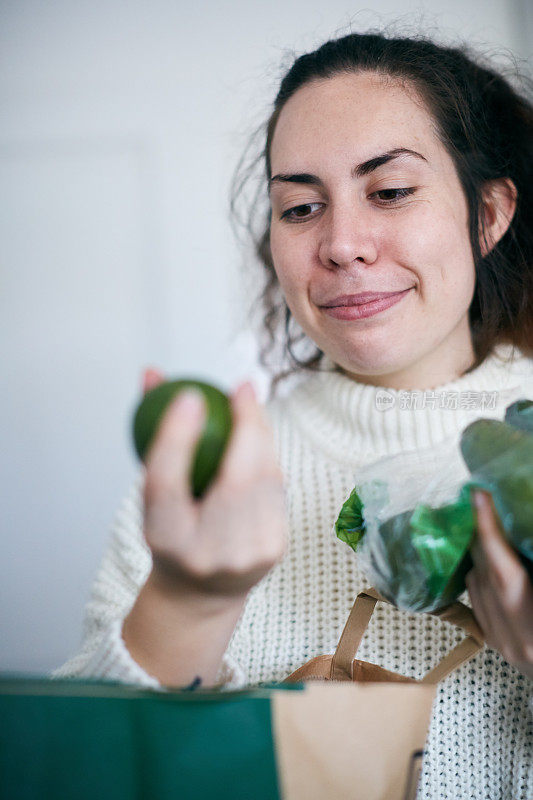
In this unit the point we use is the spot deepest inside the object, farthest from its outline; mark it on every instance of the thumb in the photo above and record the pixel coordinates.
(169, 460)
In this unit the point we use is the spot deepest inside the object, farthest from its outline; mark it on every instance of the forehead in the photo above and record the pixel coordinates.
(356, 114)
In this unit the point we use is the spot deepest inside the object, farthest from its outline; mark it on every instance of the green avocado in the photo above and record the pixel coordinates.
(213, 440)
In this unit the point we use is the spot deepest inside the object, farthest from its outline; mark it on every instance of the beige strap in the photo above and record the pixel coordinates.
(460, 654)
(357, 623)
(460, 615)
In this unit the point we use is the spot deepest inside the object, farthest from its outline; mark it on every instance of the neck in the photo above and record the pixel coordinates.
(354, 421)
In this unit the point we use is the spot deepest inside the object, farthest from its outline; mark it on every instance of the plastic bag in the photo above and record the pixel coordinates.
(501, 456)
(410, 517)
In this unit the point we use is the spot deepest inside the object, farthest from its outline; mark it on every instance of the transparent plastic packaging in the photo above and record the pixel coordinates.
(410, 516)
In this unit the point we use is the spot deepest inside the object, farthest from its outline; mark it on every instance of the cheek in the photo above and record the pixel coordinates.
(291, 261)
(438, 250)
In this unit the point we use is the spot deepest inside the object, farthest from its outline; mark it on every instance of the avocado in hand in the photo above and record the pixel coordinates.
(213, 439)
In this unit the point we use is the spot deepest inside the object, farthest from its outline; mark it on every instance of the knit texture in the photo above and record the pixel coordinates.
(327, 430)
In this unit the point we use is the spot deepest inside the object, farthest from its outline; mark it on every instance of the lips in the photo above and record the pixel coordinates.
(361, 298)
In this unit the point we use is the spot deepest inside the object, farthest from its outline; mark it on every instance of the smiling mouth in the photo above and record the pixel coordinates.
(363, 298)
(347, 309)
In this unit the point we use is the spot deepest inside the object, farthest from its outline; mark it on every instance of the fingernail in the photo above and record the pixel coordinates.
(248, 390)
(244, 392)
(189, 402)
(481, 500)
(147, 378)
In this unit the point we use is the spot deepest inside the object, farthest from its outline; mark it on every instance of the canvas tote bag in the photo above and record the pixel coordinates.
(359, 731)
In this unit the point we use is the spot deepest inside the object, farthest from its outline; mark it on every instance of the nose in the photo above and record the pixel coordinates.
(347, 237)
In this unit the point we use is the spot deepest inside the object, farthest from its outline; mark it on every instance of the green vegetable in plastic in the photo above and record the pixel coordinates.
(213, 440)
(520, 415)
(419, 558)
(350, 525)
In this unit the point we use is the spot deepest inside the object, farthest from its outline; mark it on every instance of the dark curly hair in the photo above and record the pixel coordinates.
(486, 125)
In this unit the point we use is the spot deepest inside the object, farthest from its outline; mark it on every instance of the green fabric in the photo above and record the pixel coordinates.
(89, 740)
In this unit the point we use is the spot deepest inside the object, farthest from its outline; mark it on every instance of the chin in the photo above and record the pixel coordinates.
(373, 363)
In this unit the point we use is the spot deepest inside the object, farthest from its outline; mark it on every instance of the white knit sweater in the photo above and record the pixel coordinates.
(327, 429)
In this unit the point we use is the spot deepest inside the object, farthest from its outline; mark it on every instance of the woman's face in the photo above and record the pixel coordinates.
(362, 214)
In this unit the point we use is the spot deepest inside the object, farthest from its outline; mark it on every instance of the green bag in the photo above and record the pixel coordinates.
(93, 740)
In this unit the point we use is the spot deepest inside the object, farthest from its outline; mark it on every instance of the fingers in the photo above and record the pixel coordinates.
(480, 599)
(500, 589)
(227, 540)
(250, 452)
(151, 378)
(509, 632)
(493, 557)
(491, 551)
(169, 459)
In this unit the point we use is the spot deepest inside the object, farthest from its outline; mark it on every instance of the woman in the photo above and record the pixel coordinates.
(398, 168)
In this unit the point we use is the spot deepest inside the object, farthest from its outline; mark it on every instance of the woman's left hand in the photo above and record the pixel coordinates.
(500, 590)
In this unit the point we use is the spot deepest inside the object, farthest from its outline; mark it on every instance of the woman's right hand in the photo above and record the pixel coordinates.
(221, 545)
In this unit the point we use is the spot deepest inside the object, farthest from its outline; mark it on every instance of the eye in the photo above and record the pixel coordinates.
(298, 213)
(390, 196)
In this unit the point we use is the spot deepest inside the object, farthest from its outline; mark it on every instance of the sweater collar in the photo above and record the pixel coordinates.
(354, 420)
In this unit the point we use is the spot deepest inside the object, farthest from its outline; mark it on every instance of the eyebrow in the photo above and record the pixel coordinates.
(359, 171)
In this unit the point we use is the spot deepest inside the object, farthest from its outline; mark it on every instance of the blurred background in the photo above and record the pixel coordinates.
(121, 126)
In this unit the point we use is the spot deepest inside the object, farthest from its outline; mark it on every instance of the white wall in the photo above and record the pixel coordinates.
(121, 125)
